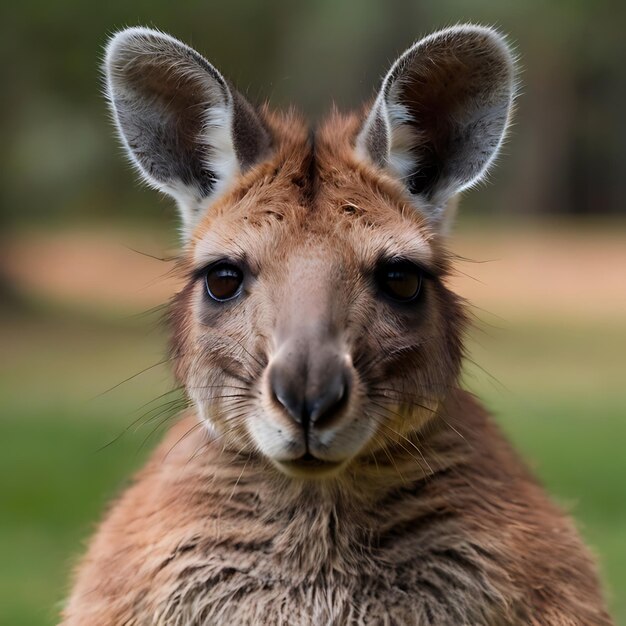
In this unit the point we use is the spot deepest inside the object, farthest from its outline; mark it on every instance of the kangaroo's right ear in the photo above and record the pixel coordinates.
(187, 132)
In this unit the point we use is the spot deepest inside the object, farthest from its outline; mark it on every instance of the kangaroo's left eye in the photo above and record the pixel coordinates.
(223, 281)
(399, 280)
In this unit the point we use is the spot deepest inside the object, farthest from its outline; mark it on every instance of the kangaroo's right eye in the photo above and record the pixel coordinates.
(399, 280)
(223, 281)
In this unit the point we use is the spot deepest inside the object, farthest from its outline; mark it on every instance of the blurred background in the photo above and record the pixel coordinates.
(81, 283)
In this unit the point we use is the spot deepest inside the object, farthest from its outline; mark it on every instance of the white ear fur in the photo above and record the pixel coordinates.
(441, 115)
(175, 116)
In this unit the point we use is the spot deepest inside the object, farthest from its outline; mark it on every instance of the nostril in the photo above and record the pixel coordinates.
(286, 397)
(323, 409)
(289, 403)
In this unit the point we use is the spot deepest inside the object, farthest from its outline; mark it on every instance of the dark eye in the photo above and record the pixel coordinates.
(399, 280)
(223, 281)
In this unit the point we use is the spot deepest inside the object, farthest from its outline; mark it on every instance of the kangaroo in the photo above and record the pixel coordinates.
(331, 470)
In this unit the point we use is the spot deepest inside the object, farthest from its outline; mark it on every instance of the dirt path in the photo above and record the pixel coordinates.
(522, 272)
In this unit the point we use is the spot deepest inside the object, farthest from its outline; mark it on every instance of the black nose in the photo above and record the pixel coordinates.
(314, 395)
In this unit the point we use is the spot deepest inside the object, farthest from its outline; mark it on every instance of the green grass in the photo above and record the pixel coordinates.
(54, 486)
(559, 394)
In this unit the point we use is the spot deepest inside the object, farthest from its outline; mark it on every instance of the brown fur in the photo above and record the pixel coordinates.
(433, 521)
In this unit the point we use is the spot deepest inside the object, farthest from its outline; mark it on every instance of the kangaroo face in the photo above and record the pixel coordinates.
(315, 327)
(336, 334)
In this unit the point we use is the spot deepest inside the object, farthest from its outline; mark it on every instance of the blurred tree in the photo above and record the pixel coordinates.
(60, 158)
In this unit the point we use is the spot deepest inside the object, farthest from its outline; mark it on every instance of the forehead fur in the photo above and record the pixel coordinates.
(313, 192)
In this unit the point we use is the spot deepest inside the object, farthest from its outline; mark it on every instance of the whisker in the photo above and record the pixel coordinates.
(243, 469)
(159, 308)
(171, 409)
(402, 398)
(260, 363)
(143, 371)
(230, 395)
(388, 355)
(175, 406)
(163, 395)
(455, 430)
(169, 259)
(419, 451)
(395, 432)
(220, 386)
(200, 423)
(155, 429)
(493, 379)
(391, 459)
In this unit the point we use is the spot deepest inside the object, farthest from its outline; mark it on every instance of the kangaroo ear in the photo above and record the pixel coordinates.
(441, 115)
(187, 132)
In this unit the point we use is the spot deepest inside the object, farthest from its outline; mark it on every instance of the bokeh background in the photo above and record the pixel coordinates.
(81, 344)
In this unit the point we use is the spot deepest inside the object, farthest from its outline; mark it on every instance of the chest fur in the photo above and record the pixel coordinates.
(404, 582)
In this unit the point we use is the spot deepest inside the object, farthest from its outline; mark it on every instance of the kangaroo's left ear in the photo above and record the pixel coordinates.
(441, 115)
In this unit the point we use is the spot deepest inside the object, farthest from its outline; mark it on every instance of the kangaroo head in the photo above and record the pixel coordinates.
(315, 327)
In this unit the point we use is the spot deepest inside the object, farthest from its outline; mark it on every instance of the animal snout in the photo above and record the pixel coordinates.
(312, 387)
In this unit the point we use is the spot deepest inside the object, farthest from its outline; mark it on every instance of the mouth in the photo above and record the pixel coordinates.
(309, 466)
